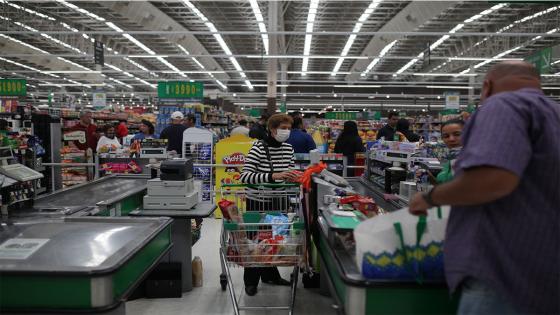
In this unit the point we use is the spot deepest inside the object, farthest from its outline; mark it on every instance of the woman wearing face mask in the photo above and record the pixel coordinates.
(349, 143)
(451, 131)
(108, 142)
(269, 161)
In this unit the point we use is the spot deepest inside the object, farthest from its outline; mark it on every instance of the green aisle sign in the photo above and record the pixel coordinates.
(542, 60)
(341, 115)
(181, 89)
(255, 112)
(13, 87)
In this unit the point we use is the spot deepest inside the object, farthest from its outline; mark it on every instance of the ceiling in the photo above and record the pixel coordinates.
(356, 54)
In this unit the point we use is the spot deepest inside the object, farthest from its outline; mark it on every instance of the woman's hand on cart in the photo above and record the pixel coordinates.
(288, 176)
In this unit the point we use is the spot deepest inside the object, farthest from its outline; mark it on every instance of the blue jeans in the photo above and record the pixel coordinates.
(477, 299)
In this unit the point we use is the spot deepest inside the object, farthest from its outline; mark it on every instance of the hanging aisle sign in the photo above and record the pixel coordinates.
(181, 89)
(452, 100)
(542, 60)
(13, 87)
(341, 115)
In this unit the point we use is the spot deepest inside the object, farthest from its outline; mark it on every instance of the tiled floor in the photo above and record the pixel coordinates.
(210, 299)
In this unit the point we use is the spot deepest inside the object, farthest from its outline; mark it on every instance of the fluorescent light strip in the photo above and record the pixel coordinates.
(24, 44)
(219, 39)
(140, 66)
(311, 15)
(28, 67)
(456, 28)
(73, 63)
(201, 66)
(376, 60)
(260, 22)
(121, 83)
(127, 73)
(44, 16)
(449, 87)
(357, 27)
(83, 11)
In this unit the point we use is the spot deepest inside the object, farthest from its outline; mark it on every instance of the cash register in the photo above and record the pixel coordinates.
(16, 171)
(174, 189)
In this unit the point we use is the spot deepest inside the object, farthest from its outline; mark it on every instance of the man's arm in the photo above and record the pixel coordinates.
(475, 186)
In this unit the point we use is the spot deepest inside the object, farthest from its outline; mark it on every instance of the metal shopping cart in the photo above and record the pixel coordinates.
(265, 229)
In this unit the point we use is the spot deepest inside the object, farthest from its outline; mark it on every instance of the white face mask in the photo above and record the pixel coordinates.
(282, 135)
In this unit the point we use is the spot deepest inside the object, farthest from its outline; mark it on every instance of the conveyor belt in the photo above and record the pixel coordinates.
(369, 189)
(92, 193)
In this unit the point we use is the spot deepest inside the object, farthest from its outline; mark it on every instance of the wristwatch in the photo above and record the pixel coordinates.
(428, 197)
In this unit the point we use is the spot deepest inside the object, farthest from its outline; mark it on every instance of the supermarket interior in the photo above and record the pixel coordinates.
(279, 157)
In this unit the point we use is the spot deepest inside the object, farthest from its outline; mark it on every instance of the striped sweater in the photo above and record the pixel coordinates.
(257, 166)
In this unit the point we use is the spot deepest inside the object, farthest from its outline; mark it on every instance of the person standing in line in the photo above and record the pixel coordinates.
(174, 133)
(146, 131)
(349, 143)
(269, 161)
(190, 121)
(258, 131)
(86, 125)
(108, 142)
(503, 236)
(389, 130)
(403, 126)
(301, 141)
(241, 129)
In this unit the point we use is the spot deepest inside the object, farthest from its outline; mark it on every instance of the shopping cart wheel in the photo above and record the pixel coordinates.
(223, 282)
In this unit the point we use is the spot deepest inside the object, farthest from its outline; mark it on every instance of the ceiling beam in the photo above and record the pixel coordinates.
(406, 21)
(149, 16)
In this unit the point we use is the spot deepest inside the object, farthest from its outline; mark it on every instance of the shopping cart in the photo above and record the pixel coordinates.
(265, 229)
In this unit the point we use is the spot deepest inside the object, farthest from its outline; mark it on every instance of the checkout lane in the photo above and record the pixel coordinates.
(107, 257)
(353, 293)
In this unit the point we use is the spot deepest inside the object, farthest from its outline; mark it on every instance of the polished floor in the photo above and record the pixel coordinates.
(211, 300)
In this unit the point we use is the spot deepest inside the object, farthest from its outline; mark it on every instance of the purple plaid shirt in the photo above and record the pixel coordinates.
(512, 244)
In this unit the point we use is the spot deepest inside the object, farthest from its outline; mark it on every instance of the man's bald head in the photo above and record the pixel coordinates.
(510, 76)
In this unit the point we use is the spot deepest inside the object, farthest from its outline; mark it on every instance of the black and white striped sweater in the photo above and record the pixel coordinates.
(257, 166)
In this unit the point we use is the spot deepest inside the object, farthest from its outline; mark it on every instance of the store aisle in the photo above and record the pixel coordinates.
(211, 300)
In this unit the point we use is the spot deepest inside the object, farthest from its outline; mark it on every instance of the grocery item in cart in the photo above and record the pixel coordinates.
(277, 229)
(230, 210)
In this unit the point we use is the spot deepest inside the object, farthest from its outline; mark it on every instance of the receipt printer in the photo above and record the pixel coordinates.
(181, 169)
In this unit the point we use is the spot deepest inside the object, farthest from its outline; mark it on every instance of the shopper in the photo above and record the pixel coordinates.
(258, 131)
(190, 121)
(174, 133)
(241, 129)
(270, 160)
(403, 126)
(109, 141)
(146, 131)
(89, 130)
(349, 143)
(503, 236)
(389, 130)
(299, 139)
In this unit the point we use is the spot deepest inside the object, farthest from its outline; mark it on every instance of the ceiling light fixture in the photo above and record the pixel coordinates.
(357, 27)
(260, 22)
(311, 15)
(219, 39)
(374, 62)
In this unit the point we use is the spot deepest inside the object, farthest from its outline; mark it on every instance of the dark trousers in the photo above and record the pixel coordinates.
(252, 275)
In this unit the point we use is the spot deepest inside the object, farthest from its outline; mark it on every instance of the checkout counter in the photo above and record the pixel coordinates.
(86, 248)
(340, 275)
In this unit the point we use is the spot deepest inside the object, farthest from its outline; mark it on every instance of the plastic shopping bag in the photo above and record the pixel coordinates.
(399, 245)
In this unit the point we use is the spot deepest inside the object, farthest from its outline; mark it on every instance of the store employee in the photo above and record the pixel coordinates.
(389, 130)
(174, 133)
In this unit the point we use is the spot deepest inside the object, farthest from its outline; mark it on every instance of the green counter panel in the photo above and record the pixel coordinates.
(132, 203)
(31, 292)
(74, 291)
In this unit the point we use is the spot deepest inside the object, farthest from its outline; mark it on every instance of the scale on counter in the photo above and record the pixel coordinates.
(16, 171)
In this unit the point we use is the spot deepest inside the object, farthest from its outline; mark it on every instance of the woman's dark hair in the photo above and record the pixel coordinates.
(403, 125)
(453, 122)
(298, 123)
(350, 130)
(107, 127)
(150, 126)
(391, 114)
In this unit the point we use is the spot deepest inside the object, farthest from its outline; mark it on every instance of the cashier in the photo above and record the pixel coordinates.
(146, 131)
(451, 131)
(108, 142)
(270, 160)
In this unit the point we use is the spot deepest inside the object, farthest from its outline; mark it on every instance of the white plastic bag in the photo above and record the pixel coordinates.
(381, 239)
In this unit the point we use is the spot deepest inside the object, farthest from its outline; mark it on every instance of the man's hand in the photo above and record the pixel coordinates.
(418, 206)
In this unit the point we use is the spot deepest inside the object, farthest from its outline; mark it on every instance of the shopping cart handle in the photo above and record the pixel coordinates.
(260, 185)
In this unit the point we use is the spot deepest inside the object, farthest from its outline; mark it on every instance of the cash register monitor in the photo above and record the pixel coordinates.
(5, 155)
